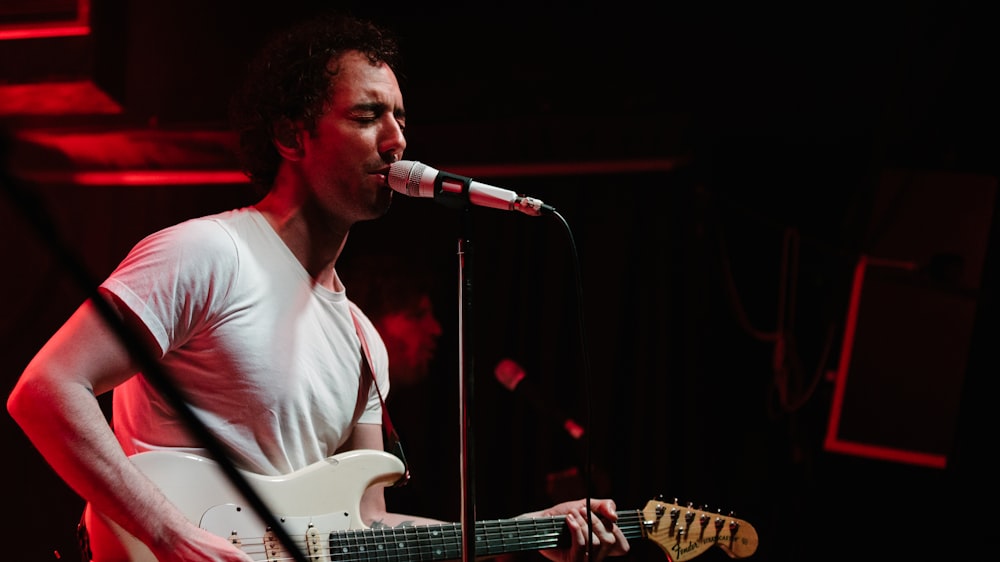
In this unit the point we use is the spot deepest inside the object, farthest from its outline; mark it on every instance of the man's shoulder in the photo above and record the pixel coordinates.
(205, 229)
(200, 239)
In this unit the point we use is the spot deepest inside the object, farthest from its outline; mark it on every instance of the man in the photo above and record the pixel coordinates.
(247, 315)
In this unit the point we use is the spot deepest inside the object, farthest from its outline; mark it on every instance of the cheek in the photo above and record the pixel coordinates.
(322, 151)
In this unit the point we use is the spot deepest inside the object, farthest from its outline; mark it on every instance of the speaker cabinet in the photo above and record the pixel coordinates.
(907, 335)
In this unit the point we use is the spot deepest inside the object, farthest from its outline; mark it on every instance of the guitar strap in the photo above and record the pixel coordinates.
(391, 439)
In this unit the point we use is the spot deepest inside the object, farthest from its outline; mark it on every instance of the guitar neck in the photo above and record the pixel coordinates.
(426, 543)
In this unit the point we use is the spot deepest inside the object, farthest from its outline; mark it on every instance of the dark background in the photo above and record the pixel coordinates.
(719, 169)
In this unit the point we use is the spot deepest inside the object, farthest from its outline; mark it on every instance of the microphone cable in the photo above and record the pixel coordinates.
(585, 357)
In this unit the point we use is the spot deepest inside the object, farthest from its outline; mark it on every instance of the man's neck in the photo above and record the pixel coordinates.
(314, 240)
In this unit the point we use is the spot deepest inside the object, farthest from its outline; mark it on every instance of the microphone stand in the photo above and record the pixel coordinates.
(465, 385)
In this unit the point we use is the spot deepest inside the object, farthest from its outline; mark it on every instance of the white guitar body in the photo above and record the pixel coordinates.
(325, 496)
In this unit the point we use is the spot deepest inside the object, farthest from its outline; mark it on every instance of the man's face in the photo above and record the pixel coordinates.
(344, 162)
(410, 337)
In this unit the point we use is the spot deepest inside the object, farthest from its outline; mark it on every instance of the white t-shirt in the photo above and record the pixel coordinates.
(269, 360)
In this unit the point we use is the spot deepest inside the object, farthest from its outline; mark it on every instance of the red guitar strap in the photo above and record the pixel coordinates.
(391, 443)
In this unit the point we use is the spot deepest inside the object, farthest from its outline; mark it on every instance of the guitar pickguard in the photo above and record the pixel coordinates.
(244, 528)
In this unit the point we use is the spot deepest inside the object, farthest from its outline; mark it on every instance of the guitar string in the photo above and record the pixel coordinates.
(426, 539)
(432, 542)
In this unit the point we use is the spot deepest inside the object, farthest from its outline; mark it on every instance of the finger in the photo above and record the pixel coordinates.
(599, 526)
(608, 538)
(605, 508)
(621, 543)
(578, 528)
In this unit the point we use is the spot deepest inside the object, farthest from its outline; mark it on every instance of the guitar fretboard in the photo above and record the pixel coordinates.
(427, 543)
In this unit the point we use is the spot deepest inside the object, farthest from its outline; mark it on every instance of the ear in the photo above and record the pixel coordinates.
(287, 139)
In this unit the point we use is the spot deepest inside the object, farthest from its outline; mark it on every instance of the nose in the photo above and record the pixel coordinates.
(393, 141)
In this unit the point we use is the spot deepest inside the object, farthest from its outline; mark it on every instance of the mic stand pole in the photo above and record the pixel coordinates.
(465, 385)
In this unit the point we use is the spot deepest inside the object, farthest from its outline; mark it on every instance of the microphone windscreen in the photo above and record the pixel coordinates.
(405, 177)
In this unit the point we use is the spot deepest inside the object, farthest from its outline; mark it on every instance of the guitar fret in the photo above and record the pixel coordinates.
(353, 546)
(526, 534)
(452, 535)
(372, 548)
(379, 550)
(398, 546)
(409, 544)
(436, 545)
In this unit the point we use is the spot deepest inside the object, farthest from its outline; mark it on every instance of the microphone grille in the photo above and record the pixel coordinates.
(404, 177)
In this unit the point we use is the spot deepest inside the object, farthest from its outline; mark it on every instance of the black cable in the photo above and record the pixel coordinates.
(587, 476)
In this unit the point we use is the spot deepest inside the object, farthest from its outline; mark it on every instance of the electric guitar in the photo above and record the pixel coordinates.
(318, 506)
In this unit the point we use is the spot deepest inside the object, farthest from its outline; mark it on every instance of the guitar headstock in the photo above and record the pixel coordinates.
(684, 532)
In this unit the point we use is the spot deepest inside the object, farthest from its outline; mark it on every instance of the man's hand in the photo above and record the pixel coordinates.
(202, 546)
(605, 536)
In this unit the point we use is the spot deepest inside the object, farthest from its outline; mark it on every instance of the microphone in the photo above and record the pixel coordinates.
(511, 376)
(419, 180)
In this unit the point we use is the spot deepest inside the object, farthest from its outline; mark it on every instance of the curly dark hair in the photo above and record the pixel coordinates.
(289, 80)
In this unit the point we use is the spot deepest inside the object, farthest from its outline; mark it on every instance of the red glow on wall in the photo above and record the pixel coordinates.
(35, 20)
(139, 178)
(77, 97)
(43, 32)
